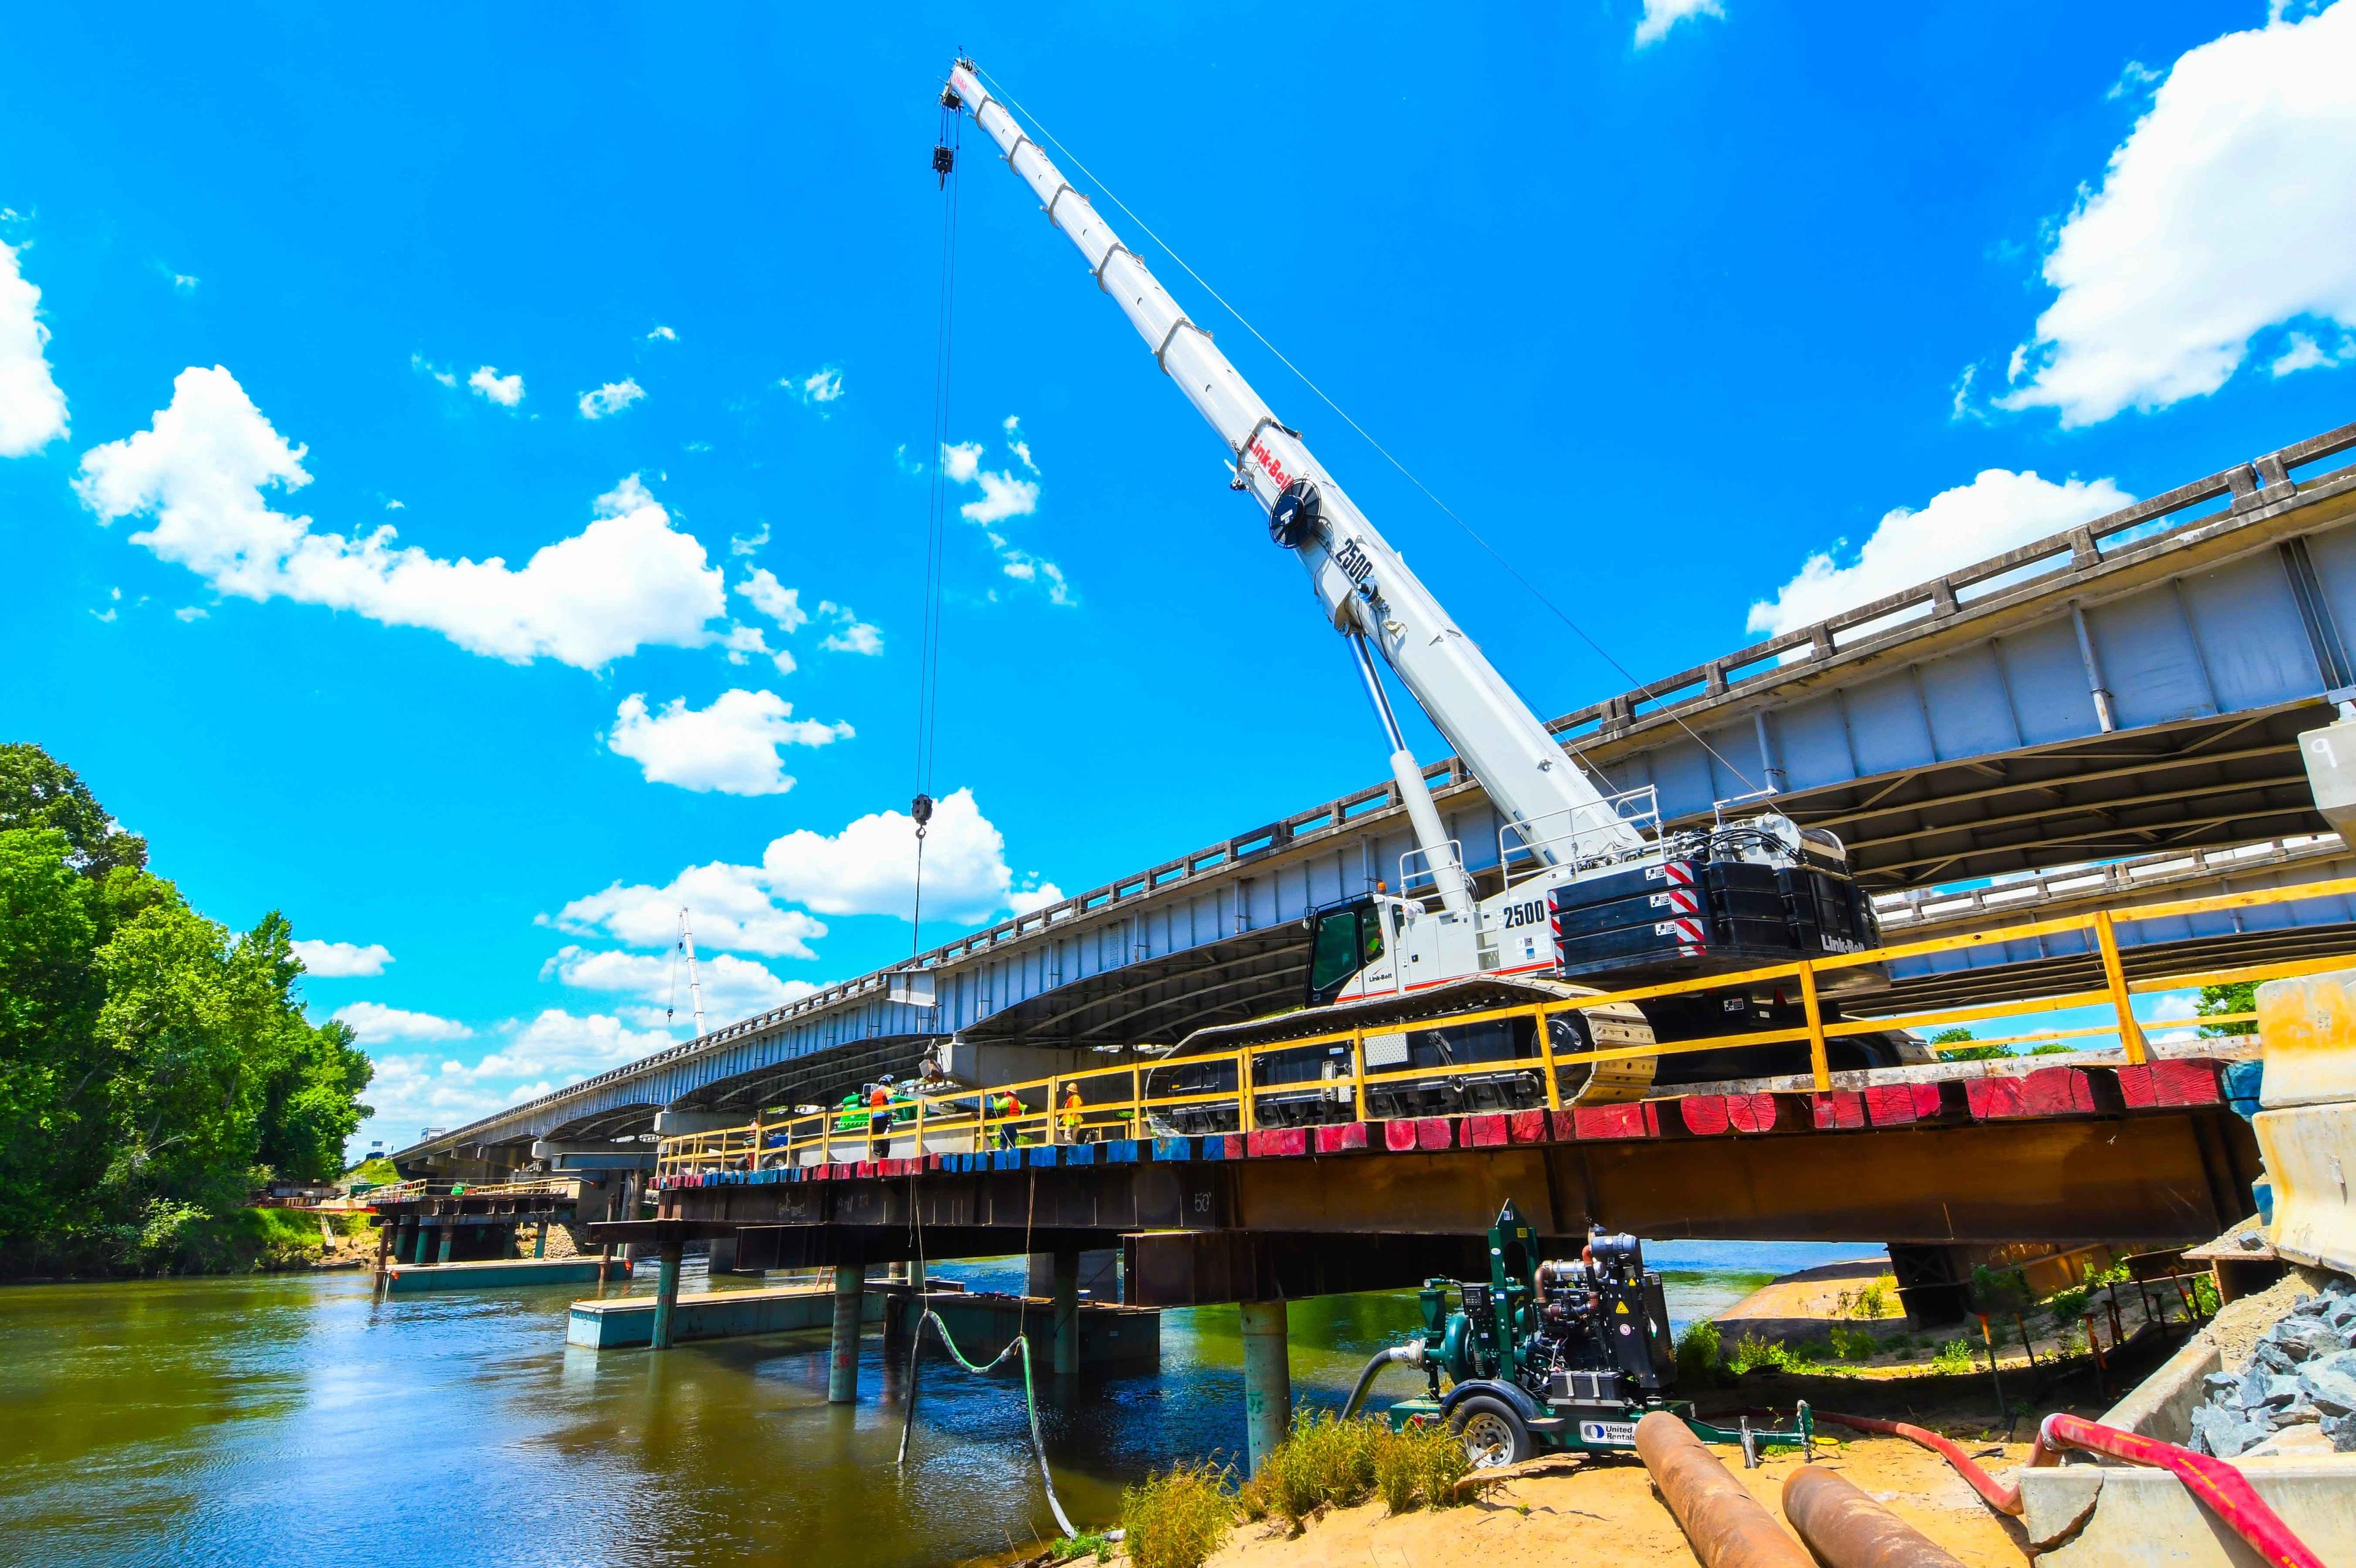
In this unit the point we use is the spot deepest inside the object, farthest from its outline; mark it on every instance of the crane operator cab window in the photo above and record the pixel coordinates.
(1343, 940)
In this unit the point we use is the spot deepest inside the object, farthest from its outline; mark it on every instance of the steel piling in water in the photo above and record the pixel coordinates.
(842, 1352)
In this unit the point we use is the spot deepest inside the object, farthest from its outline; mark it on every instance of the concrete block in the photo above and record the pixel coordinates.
(2307, 1151)
(2308, 1027)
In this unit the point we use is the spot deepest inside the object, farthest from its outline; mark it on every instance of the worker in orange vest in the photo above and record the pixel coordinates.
(879, 1120)
(1072, 1113)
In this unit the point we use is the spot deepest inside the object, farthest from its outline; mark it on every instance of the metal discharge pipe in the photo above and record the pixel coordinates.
(1726, 1525)
(1397, 1355)
(1846, 1528)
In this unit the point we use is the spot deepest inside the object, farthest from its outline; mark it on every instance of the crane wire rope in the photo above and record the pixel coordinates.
(937, 501)
(1642, 692)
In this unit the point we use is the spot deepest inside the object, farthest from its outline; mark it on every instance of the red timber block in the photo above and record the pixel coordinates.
(932, 1163)
(2156, 1084)
(817, 1173)
(865, 1167)
(1435, 1132)
(1837, 1110)
(1761, 1113)
(1639, 1119)
(1235, 1146)
(1704, 1116)
(1279, 1143)
(1487, 1131)
(2048, 1091)
(1895, 1105)
(1398, 1136)
(1340, 1137)
(1526, 1127)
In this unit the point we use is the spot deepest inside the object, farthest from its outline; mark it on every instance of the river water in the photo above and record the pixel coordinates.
(300, 1419)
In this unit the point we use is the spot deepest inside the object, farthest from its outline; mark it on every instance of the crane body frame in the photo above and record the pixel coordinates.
(1566, 828)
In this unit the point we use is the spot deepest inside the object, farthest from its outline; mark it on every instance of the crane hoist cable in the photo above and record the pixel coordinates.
(1644, 692)
(937, 502)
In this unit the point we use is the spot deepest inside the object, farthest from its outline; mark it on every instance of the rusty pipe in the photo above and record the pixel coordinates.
(1728, 1527)
(1846, 1528)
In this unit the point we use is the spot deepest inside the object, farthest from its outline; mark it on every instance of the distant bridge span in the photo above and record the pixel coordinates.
(2129, 686)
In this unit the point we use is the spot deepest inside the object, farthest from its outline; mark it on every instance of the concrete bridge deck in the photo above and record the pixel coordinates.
(2130, 687)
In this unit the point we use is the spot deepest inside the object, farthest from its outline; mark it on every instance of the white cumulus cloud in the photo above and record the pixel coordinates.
(1997, 511)
(733, 746)
(773, 599)
(611, 398)
(373, 1024)
(869, 866)
(663, 335)
(342, 960)
(730, 905)
(850, 634)
(2230, 209)
(1660, 15)
(200, 474)
(1005, 493)
(818, 387)
(505, 390)
(413, 1091)
(733, 988)
(32, 410)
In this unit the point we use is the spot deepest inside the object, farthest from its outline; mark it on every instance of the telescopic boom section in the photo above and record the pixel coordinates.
(1360, 579)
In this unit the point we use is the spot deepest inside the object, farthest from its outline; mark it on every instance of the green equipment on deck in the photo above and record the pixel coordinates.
(1553, 1356)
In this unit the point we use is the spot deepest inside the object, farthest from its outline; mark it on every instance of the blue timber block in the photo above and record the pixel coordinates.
(1043, 1155)
(1121, 1151)
(1080, 1154)
(1173, 1148)
(1214, 1148)
(1007, 1159)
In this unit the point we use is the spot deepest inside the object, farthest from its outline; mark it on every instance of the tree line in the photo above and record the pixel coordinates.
(154, 1066)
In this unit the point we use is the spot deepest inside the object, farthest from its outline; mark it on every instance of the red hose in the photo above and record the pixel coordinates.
(2001, 1497)
(2224, 1490)
(2215, 1483)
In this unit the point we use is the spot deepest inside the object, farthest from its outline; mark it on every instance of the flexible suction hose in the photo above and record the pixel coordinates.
(1021, 1343)
(1407, 1355)
(2223, 1488)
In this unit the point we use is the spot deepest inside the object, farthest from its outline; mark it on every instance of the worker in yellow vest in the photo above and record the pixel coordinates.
(1072, 1113)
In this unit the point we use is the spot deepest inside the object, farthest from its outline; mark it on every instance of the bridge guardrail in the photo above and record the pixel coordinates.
(1040, 1110)
(408, 1192)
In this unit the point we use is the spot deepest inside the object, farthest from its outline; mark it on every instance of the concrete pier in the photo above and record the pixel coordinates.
(667, 1294)
(842, 1358)
(1064, 1319)
(449, 1234)
(1268, 1379)
(627, 1322)
(492, 1273)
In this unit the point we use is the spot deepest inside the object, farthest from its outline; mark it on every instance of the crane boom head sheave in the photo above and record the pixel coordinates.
(1363, 583)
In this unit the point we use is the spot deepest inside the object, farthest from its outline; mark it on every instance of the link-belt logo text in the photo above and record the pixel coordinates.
(1268, 461)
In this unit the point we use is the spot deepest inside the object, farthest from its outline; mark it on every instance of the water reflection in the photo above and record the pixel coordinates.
(303, 1420)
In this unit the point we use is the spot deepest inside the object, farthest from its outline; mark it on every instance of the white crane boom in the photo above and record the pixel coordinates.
(1366, 588)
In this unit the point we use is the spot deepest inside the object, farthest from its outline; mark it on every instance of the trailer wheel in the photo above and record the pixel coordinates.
(1492, 1432)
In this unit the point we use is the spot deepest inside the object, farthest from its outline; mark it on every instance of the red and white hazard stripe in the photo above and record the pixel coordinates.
(1684, 900)
(1686, 931)
(1678, 873)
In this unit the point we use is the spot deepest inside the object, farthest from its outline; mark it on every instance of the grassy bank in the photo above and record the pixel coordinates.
(180, 1239)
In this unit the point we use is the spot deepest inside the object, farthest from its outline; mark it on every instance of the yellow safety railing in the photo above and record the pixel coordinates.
(1111, 1102)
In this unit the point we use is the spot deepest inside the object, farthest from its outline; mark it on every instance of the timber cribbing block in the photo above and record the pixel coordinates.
(1713, 1115)
(1340, 1137)
(2048, 1091)
(1526, 1127)
(1173, 1148)
(1487, 1131)
(2174, 1083)
(1897, 1105)
(1398, 1136)
(1279, 1143)
(1223, 1146)
(1837, 1110)
(1638, 1119)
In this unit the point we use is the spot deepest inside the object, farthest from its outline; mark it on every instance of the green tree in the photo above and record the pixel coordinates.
(49, 998)
(38, 791)
(1956, 1045)
(2221, 1001)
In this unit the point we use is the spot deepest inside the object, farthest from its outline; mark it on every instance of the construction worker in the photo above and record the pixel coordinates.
(1072, 1113)
(1002, 1107)
(879, 1119)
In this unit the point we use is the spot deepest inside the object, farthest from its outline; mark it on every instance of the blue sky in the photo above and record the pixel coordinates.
(1714, 317)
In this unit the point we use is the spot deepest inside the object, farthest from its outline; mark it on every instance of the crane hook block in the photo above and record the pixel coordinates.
(1294, 520)
(944, 161)
(949, 99)
(921, 808)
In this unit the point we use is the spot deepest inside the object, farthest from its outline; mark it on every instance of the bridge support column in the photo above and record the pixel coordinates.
(667, 1293)
(842, 1354)
(1268, 1379)
(540, 1240)
(449, 1234)
(1064, 1313)
(383, 1248)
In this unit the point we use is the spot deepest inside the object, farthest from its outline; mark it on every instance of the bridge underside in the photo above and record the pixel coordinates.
(1161, 1001)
